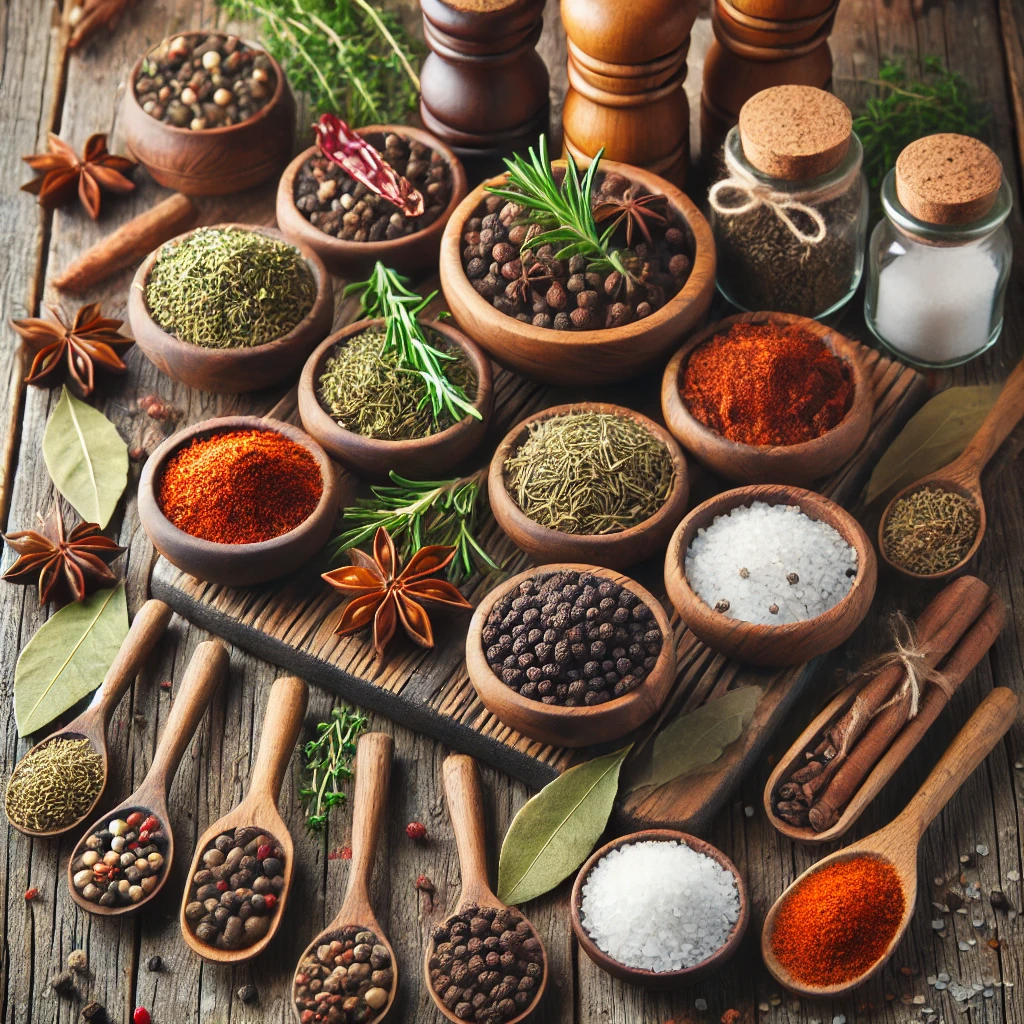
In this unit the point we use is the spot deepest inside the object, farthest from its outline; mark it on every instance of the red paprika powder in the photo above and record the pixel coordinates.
(766, 384)
(240, 487)
(838, 921)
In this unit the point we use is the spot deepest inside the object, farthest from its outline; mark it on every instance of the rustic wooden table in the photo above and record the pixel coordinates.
(42, 90)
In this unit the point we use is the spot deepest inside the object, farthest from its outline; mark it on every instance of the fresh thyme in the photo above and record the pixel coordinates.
(329, 764)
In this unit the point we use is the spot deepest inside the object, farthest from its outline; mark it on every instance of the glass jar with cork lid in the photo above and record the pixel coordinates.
(940, 258)
(790, 216)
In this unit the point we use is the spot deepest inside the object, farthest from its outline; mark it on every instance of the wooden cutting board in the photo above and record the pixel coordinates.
(291, 623)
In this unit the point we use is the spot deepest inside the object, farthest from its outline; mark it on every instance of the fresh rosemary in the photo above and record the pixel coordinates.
(329, 764)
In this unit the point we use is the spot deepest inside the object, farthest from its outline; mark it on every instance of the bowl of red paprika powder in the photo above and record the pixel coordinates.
(239, 500)
(768, 398)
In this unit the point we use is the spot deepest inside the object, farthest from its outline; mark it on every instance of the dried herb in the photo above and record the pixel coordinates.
(229, 288)
(55, 785)
(62, 173)
(92, 340)
(930, 530)
(329, 764)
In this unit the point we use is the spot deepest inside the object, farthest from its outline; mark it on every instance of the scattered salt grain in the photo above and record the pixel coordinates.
(1013, 876)
(700, 1004)
(981, 849)
(963, 946)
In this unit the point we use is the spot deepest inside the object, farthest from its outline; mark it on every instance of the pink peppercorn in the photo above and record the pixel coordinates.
(141, 1016)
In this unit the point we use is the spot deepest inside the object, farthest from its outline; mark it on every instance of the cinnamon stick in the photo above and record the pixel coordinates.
(129, 243)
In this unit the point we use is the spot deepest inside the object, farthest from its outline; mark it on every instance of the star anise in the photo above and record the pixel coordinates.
(76, 350)
(62, 172)
(66, 568)
(635, 209)
(530, 277)
(383, 593)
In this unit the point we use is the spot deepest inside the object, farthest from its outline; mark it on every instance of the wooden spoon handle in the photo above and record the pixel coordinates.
(282, 721)
(971, 745)
(997, 426)
(373, 776)
(466, 809)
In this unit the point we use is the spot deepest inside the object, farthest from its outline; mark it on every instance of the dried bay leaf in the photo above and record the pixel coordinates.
(933, 437)
(86, 458)
(555, 831)
(694, 740)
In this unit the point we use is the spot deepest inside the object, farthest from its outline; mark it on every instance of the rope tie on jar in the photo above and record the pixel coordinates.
(757, 194)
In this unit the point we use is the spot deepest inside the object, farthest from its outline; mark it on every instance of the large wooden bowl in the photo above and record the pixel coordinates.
(231, 370)
(408, 255)
(374, 458)
(659, 979)
(614, 550)
(791, 643)
(580, 726)
(775, 464)
(214, 161)
(239, 564)
(581, 357)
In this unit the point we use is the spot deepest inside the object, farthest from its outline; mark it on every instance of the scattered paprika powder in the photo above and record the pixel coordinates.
(767, 384)
(240, 487)
(838, 921)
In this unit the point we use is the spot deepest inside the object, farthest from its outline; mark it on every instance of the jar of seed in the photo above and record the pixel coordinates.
(790, 215)
(940, 258)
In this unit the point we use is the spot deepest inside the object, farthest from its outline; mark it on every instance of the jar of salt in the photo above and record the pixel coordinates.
(940, 259)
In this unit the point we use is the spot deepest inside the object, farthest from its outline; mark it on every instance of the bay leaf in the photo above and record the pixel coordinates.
(695, 740)
(68, 657)
(86, 458)
(934, 436)
(555, 831)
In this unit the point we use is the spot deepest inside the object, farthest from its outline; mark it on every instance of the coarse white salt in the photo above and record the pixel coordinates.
(659, 906)
(770, 564)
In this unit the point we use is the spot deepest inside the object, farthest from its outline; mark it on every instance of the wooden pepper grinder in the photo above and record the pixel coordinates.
(483, 87)
(627, 63)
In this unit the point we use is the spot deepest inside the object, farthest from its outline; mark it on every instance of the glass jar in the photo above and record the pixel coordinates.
(789, 246)
(935, 291)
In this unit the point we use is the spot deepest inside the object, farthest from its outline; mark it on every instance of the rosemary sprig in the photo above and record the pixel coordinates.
(329, 764)
(385, 295)
(421, 512)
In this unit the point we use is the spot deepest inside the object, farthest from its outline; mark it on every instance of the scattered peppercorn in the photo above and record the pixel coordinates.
(94, 1013)
(155, 963)
(31, 894)
(416, 830)
(78, 961)
(356, 972)
(141, 1016)
(247, 993)
(63, 984)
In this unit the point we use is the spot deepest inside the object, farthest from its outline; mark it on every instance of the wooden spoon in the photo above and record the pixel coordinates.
(466, 809)
(148, 626)
(963, 474)
(897, 843)
(373, 775)
(282, 720)
(208, 666)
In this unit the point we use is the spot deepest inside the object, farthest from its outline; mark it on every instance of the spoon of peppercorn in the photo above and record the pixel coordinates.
(896, 844)
(336, 945)
(250, 845)
(466, 808)
(103, 856)
(963, 475)
(147, 627)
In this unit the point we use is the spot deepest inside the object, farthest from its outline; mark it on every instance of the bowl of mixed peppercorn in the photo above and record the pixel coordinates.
(571, 654)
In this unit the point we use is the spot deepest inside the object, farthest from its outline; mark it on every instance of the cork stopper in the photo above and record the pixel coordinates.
(795, 132)
(948, 179)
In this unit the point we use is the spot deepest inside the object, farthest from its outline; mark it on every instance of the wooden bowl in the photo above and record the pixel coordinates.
(614, 550)
(374, 458)
(791, 643)
(413, 253)
(753, 31)
(659, 979)
(214, 161)
(580, 726)
(581, 357)
(772, 464)
(231, 370)
(238, 564)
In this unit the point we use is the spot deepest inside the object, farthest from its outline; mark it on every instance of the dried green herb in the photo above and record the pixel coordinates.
(54, 786)
(329, 764)
(590, 473)
(229, 288)
(930, 530)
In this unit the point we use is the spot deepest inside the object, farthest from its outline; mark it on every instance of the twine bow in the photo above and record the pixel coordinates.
(756, 194)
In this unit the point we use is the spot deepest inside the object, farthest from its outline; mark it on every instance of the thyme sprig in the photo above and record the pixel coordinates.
(329, 764)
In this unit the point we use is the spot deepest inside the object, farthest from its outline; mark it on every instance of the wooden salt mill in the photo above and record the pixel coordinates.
(483, 87)
(627, 63)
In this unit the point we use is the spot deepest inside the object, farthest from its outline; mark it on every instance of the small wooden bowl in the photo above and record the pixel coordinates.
(791, 643)
(408, 255)
(581, 357)
(764, 32)
(374, 458)
(231, 370)
(571, 727)
(777, 464)
(613, 550)
(214, 161)
(658, 980)
(238, 564)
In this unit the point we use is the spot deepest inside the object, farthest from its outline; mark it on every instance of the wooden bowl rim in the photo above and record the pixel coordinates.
(639, 974)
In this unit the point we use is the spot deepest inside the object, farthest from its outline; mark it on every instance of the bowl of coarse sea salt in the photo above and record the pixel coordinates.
(771, 574)
(659, 908)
